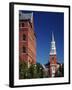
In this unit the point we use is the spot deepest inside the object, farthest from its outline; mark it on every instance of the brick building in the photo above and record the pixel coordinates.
(27, 38)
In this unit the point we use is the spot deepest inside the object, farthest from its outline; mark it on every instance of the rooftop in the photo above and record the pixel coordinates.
(25, 16)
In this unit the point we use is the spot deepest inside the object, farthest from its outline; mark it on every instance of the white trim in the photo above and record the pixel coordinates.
(16, 45)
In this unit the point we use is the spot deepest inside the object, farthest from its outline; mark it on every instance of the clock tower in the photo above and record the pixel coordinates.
(53, 58)
(27, 38)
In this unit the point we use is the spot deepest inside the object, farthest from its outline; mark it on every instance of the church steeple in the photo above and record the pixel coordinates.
(53, 58)
(53, 47)
(52, 37)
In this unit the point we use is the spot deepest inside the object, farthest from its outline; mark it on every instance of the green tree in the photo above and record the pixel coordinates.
(23, 70)
(34, 71)
(60, 71)
(39, 70)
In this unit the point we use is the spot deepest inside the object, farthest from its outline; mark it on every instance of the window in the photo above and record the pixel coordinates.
(19, 24)
(24, 49)
(23, 25)
(29, 61)
(24, 37)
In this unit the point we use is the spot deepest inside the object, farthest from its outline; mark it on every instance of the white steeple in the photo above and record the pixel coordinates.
(52, 37)
(53, 47)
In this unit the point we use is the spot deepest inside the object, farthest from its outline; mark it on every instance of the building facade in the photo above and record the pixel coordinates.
(27, 38)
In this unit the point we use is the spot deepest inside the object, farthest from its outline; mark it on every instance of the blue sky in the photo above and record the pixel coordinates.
(44, 24)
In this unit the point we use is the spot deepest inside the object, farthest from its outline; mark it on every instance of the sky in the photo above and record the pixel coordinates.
(44, 24)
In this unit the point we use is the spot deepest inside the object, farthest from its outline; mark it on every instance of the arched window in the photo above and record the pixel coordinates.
(24, 37)
(24, 49)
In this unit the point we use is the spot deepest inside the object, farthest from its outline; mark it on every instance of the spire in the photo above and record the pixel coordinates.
(52, 37)
(53, 47)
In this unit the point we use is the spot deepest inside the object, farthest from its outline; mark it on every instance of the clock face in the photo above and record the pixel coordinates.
(52, 58)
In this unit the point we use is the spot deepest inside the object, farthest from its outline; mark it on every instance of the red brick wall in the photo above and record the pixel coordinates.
(53, 59)
(29, 43)
(53, 63)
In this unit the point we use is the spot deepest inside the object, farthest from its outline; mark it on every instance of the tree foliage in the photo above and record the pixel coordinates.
(34, 71)
(60, 71)
(37, 71)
